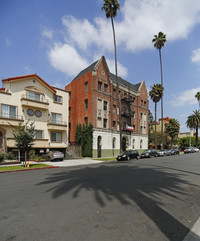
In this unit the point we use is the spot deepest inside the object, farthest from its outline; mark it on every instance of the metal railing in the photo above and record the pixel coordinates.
(57, 122)
(40, 99)
(11, 116)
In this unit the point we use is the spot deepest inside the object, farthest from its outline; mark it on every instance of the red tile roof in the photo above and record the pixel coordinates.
(29, 76)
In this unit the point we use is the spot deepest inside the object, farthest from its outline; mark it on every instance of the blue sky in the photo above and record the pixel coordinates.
(57, 39)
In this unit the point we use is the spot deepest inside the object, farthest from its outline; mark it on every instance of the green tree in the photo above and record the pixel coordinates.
(150, 129)
(159, 42)
(78, 134)
(24, 137)
(156, 93)
(172, 129)
(197, 96)
(111, 7)
(193, 122)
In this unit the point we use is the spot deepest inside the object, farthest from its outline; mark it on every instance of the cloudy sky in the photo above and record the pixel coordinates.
(57, 39)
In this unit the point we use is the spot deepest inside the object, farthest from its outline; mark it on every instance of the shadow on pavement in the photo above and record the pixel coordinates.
(127, 184)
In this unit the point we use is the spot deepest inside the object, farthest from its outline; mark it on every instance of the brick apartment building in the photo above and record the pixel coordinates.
(93, 99)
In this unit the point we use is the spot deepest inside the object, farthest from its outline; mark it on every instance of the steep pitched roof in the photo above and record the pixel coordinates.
(120, 80)
(29, 76)
(125, 83)
(86, 70)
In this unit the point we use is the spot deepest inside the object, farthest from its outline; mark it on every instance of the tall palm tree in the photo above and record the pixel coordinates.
(193, 122)
(111, 7)
(159, 42)
(156, 93)
(197, 96)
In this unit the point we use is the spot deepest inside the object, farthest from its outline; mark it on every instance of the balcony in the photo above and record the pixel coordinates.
(54, 125)
(40, 103)
(10, 119)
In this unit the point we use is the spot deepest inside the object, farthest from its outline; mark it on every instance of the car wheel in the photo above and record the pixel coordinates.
(128, 158)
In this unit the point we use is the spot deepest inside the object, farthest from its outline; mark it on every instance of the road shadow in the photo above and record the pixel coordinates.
(127, 184)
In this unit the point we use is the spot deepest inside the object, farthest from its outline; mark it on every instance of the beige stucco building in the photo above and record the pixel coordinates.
(29, 97)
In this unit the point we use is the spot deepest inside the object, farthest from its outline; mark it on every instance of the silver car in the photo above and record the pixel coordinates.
(53, 155)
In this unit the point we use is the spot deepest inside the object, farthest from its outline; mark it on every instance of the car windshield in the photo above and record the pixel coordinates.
(147, 151)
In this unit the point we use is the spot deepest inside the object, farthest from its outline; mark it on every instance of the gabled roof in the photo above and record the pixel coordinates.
(121, 81)
(86, 70)
(29, 76)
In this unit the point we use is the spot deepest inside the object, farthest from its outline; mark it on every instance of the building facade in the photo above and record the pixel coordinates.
(93, 99)
(29, 97)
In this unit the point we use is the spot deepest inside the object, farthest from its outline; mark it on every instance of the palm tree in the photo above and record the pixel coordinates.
(110, 7)
(159, 42)
(193, 122)
(197, 96)
(156, 93)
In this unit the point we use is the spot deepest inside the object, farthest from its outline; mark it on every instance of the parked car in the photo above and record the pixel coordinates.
(128, 155)
(188, 150)
(175, 151)
(195, 149)
(164, 153)
(53, 155)
(149, 153)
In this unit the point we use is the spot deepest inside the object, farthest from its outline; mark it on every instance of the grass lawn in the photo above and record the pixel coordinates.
(105, 159)
(20, 167)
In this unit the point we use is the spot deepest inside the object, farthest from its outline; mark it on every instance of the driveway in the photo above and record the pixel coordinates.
(73, 162)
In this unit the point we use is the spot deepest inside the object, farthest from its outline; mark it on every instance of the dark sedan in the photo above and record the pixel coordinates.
(128, 155)
(149, 153)
(175, 151)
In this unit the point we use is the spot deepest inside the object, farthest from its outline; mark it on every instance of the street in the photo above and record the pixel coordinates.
(156, 199)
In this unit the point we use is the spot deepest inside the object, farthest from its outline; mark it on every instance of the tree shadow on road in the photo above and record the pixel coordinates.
(127, 184)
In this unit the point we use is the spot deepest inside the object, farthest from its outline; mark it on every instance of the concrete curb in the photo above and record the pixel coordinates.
(30, 169)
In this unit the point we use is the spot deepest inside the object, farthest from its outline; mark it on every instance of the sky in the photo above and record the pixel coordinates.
(58, 39)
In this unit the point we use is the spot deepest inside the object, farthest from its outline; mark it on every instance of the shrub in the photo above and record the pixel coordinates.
(2, 156)
(9, 156)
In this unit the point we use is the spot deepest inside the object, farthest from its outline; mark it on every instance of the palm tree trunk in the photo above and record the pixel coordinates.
(197, 136)
(161, 100)
(155, 125)
(118, 98)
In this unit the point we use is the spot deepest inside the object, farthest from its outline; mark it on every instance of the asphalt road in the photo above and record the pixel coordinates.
(154, 199)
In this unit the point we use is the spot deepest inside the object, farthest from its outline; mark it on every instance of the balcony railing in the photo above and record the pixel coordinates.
(40, 99)
(11, 116)
(57, 122)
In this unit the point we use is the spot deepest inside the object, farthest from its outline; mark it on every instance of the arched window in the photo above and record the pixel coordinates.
(114, 142)
(140, 144)
(133, 144)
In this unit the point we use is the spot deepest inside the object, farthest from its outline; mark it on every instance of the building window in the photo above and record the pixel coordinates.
(141, 115)
(114, 109)
(30, 112)
(38, 113)
(70, 95)
(145, 103)
(56, 118)
(114, 123)
(99, 85)
(69, 111)
(38, 134)
(86, 120)
(114, 92)
(104, 123)
(33, 95)
(133, 114)
(105, 88)
(141, 102)
(105, 105)
(56, 136)
(140, 144)
(114, 142)
(86, 86)
(8, 111)
(133, 144)
(57, 99)
(86, 104)
(133, 99)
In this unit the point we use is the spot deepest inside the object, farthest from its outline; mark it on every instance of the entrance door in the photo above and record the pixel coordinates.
(99, 146)
(123, 144)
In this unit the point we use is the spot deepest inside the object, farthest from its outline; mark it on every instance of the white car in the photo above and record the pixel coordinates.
(195, 149)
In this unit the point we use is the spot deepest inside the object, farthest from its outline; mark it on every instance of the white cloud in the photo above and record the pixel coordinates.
(195, 56)
(8, 42)
(184, 98)
(65, 58)
(121, 70)
(47, 33)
